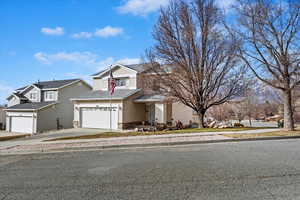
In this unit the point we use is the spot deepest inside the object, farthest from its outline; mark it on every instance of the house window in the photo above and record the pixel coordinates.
(33, 96)
(49, 96)
(121, 82)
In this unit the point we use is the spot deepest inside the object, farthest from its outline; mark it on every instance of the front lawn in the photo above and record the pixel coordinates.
(267, 134)
(6, 138)
(128, 134)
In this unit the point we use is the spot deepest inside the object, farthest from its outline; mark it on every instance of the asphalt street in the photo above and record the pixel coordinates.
(225, 171)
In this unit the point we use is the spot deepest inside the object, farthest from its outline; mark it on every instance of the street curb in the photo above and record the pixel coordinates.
(183, 143)
(163, 144)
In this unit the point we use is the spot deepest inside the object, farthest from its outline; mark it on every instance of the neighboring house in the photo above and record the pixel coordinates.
(43, 106)
(134, 101)
(2, 117)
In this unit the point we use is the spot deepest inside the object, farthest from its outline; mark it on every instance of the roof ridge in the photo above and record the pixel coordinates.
(57, 80)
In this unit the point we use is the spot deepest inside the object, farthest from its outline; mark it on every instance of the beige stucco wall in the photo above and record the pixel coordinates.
(101, 83)
(133, 112)
(182, 112)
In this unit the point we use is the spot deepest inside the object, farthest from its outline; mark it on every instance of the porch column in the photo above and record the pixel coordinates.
(161, 113)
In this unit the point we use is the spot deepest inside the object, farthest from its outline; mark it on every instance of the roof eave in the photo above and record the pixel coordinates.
(107, 70)
(104, 99)
(20, 109)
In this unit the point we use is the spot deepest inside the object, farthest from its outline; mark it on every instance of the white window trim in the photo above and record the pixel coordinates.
(125, 79)
(35, 94)
(47, 97)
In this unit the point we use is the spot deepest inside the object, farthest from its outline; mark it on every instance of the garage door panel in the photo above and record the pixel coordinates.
(21, 124)
(99, 118)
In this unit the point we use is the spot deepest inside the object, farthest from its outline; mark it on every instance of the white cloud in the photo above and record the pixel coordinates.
(109, 31)
(81, 35)
(76, 57)
(41, 57)
(142, 7)
(83, 58)
(53, 31)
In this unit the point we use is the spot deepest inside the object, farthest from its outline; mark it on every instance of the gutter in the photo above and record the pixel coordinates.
(108, 98)
(20, 109)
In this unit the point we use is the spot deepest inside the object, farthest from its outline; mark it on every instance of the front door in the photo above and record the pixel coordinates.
(151, 113)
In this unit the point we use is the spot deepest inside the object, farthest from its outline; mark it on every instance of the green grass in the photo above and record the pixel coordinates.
(268, 134)
(6, 138)
(129, 134)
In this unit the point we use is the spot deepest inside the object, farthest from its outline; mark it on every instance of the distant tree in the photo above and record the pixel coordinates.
(270, 31)
(190, 37)
(223, 112)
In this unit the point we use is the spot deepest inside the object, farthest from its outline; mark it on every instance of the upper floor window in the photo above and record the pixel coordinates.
(121, 82)
(49, 96)
(33, 96)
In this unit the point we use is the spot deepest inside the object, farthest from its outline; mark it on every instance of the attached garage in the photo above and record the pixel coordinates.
(92, 109)
(22, 124)
(99, 117)
(28, 117)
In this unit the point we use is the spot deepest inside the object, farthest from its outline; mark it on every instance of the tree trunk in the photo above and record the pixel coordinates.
(201, 120)
(250, 121)
(288, 111)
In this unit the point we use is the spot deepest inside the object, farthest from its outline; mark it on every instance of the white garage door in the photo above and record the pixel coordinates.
(21, 124)
(99, 117)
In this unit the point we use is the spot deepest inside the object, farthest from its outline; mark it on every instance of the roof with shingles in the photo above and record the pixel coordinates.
(136, 67)
(151, 98)
(105, 95)
(52, 84)
(31, 106)
(20, 95)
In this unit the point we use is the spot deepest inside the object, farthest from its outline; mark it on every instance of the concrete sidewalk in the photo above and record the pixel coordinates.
(38, 145)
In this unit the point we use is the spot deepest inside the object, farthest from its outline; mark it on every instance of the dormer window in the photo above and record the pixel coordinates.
(49, 96)
(33, 96)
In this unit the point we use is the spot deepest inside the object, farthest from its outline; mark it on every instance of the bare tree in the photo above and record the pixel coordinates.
(223, 112)
(270, 30)
(204, 70)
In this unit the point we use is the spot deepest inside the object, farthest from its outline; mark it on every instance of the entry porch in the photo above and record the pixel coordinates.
(158, 110)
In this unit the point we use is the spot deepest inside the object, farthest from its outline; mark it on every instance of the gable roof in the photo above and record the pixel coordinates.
(119, 94)
(18, 95)
(55, 84)
(139, 68)
(31, 106)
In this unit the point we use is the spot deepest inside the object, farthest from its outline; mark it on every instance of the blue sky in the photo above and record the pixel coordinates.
(62, 39)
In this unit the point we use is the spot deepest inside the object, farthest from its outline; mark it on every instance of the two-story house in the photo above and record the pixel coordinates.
(43, 106)
(133, 102)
